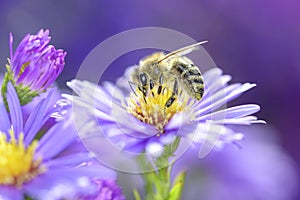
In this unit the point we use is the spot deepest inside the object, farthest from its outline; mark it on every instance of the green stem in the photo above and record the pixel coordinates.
(158, 182)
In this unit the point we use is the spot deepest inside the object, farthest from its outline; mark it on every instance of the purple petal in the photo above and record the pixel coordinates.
(211, 136)
(216, 84)
(15, 109)
(53, 138)
(212, 74)
(112, 90)
(4, 119)
(92, 94)
(240, 121)
(215, 97)
(10, 193)
(224, 99)
(177, 121)
(101, 111)
(233, 112)
(45, 63)
(65, 183)
(37, 118)
(33, 123)
(132, 126)
(69, 160)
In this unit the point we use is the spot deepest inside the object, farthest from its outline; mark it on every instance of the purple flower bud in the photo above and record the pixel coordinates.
(35, 63)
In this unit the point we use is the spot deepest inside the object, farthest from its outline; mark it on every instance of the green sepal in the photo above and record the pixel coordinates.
(163, 159)
(25, 94)
(176, 191)
(136, 194)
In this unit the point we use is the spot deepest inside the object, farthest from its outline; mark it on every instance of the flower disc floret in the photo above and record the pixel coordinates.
(152, 109)
(17, 162)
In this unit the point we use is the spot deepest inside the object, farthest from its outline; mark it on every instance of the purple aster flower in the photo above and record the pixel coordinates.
(39, 169)
(260, 170)
(33, 67)
(35, 63)
(136, 124)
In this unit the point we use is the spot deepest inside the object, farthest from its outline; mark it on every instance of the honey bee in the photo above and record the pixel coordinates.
(171, 69)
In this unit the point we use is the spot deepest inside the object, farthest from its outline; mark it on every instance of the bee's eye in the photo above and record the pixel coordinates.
(143, 78)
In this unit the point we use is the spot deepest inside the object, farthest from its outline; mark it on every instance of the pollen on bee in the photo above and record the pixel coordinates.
(152, 108)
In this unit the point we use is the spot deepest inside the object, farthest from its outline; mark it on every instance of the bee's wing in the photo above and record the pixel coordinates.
(183, 51)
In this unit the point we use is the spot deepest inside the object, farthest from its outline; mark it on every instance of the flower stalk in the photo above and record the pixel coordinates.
(158, 184)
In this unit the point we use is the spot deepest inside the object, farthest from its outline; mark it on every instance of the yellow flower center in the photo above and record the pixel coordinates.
(152, 109)
(17, 163)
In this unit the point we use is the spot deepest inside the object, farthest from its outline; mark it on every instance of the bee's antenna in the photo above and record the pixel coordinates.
(183, 51)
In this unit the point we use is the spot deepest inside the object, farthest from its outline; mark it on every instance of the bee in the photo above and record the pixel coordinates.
(172, 68)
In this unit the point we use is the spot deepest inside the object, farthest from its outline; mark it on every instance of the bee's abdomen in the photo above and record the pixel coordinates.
(191, 79)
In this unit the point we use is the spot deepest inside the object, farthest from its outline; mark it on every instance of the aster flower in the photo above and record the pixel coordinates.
(34, 66)
(261, 170)
(139, 125)
(39, 169)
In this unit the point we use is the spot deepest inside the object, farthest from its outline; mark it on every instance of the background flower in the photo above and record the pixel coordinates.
(37, 169)
(261, 169)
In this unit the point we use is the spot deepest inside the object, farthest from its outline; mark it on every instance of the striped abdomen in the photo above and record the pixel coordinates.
(190, 78)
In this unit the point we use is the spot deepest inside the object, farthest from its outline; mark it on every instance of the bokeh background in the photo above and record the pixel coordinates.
(255, 41)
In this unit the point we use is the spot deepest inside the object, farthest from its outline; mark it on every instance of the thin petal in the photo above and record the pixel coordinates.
(113, 90)
(217, 96)
(211, 75)
(177, 121)
(233, 112)
(211, 136)
(69, 160)
(222, 101)
(9, 193)
(59, 136)
(240, 121)
(37, 119)
(4, 119)
(216, 85)
(15, 109)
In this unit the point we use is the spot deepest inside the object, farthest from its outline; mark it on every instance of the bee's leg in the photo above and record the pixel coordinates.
(143, 78)
(172, 98)
(131, 87)
(161, 78)
(151, 86)
(175, 87)
(143, 89)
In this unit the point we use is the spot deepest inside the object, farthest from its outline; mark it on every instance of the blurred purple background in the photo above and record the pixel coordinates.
(255, 41)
